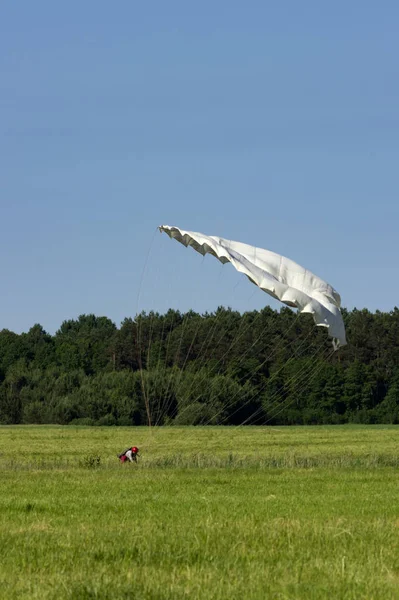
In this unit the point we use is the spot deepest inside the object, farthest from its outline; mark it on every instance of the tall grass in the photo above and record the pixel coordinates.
(207, 513)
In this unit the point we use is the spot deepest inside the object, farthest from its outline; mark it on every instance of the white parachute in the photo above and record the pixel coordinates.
(276, 275)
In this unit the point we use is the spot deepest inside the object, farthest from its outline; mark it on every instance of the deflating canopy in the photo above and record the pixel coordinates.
(276, 275)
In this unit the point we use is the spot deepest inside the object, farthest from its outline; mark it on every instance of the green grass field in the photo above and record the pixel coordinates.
(227, 513)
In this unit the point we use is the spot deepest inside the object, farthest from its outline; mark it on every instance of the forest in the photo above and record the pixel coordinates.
(221, 368)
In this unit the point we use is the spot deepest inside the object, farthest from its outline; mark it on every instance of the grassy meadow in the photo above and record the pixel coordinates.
(226, 513)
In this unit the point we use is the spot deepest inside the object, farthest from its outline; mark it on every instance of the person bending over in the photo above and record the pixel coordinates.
(130, 454)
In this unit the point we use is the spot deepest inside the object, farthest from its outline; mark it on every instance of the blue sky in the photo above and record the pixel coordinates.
(275, 124)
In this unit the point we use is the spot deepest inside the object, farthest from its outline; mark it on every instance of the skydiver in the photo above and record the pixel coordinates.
(129, 454)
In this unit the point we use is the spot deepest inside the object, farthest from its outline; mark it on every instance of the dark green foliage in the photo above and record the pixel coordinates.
(220, 368)
(86, 343)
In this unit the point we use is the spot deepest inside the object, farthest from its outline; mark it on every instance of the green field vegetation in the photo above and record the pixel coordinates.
(301, 512)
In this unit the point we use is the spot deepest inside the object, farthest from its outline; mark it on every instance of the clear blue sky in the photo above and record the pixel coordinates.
(271, 123)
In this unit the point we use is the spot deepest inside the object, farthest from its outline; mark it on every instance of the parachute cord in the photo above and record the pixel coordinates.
(268, 357)
(304, 374)
(238, 334)
(255, 370)
(272, 378)
(168, 402)
(310, 376)
(166, 408)
(152, 375)
(165, 370)
(139, 332)
(143, 387)
(297, 355)
(204, 363)
(189, 349)
(238, 337)
(158, 372)
(148, 365)
(199, 367)
(145, 269)
(182, 325)
(157, 404)
(212, 332)
(259, 390)
(157, 369)
(209, 335)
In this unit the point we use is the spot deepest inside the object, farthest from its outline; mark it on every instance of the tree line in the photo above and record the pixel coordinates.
(260, 367)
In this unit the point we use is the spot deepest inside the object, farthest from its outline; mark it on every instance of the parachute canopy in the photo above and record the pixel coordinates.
(276, 275)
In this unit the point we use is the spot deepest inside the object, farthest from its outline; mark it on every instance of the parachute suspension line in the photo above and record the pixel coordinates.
(169, 335)
(304, 374)
(160, 374)
(176, 385)
(164, 412)
(317, 368)
(152, 373)
(179, 346)
(249, 348)
(220, 275)
(205, 361)
(143, 272)
(259, 390)
(139, 332)
(213, 329)
(207, 341)
(158, 371)
(143, 388)
(208, 338)
(150, 386)
(298, 354)
(168, 401)
(205, 346)
(195, 386)
(165, 367)
(188, 353)
(308, 377)
(154, 385)
(198, 370)
(255, 370)
(238, 336)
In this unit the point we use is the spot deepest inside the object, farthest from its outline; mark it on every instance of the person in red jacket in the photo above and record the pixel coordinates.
(130, 454)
